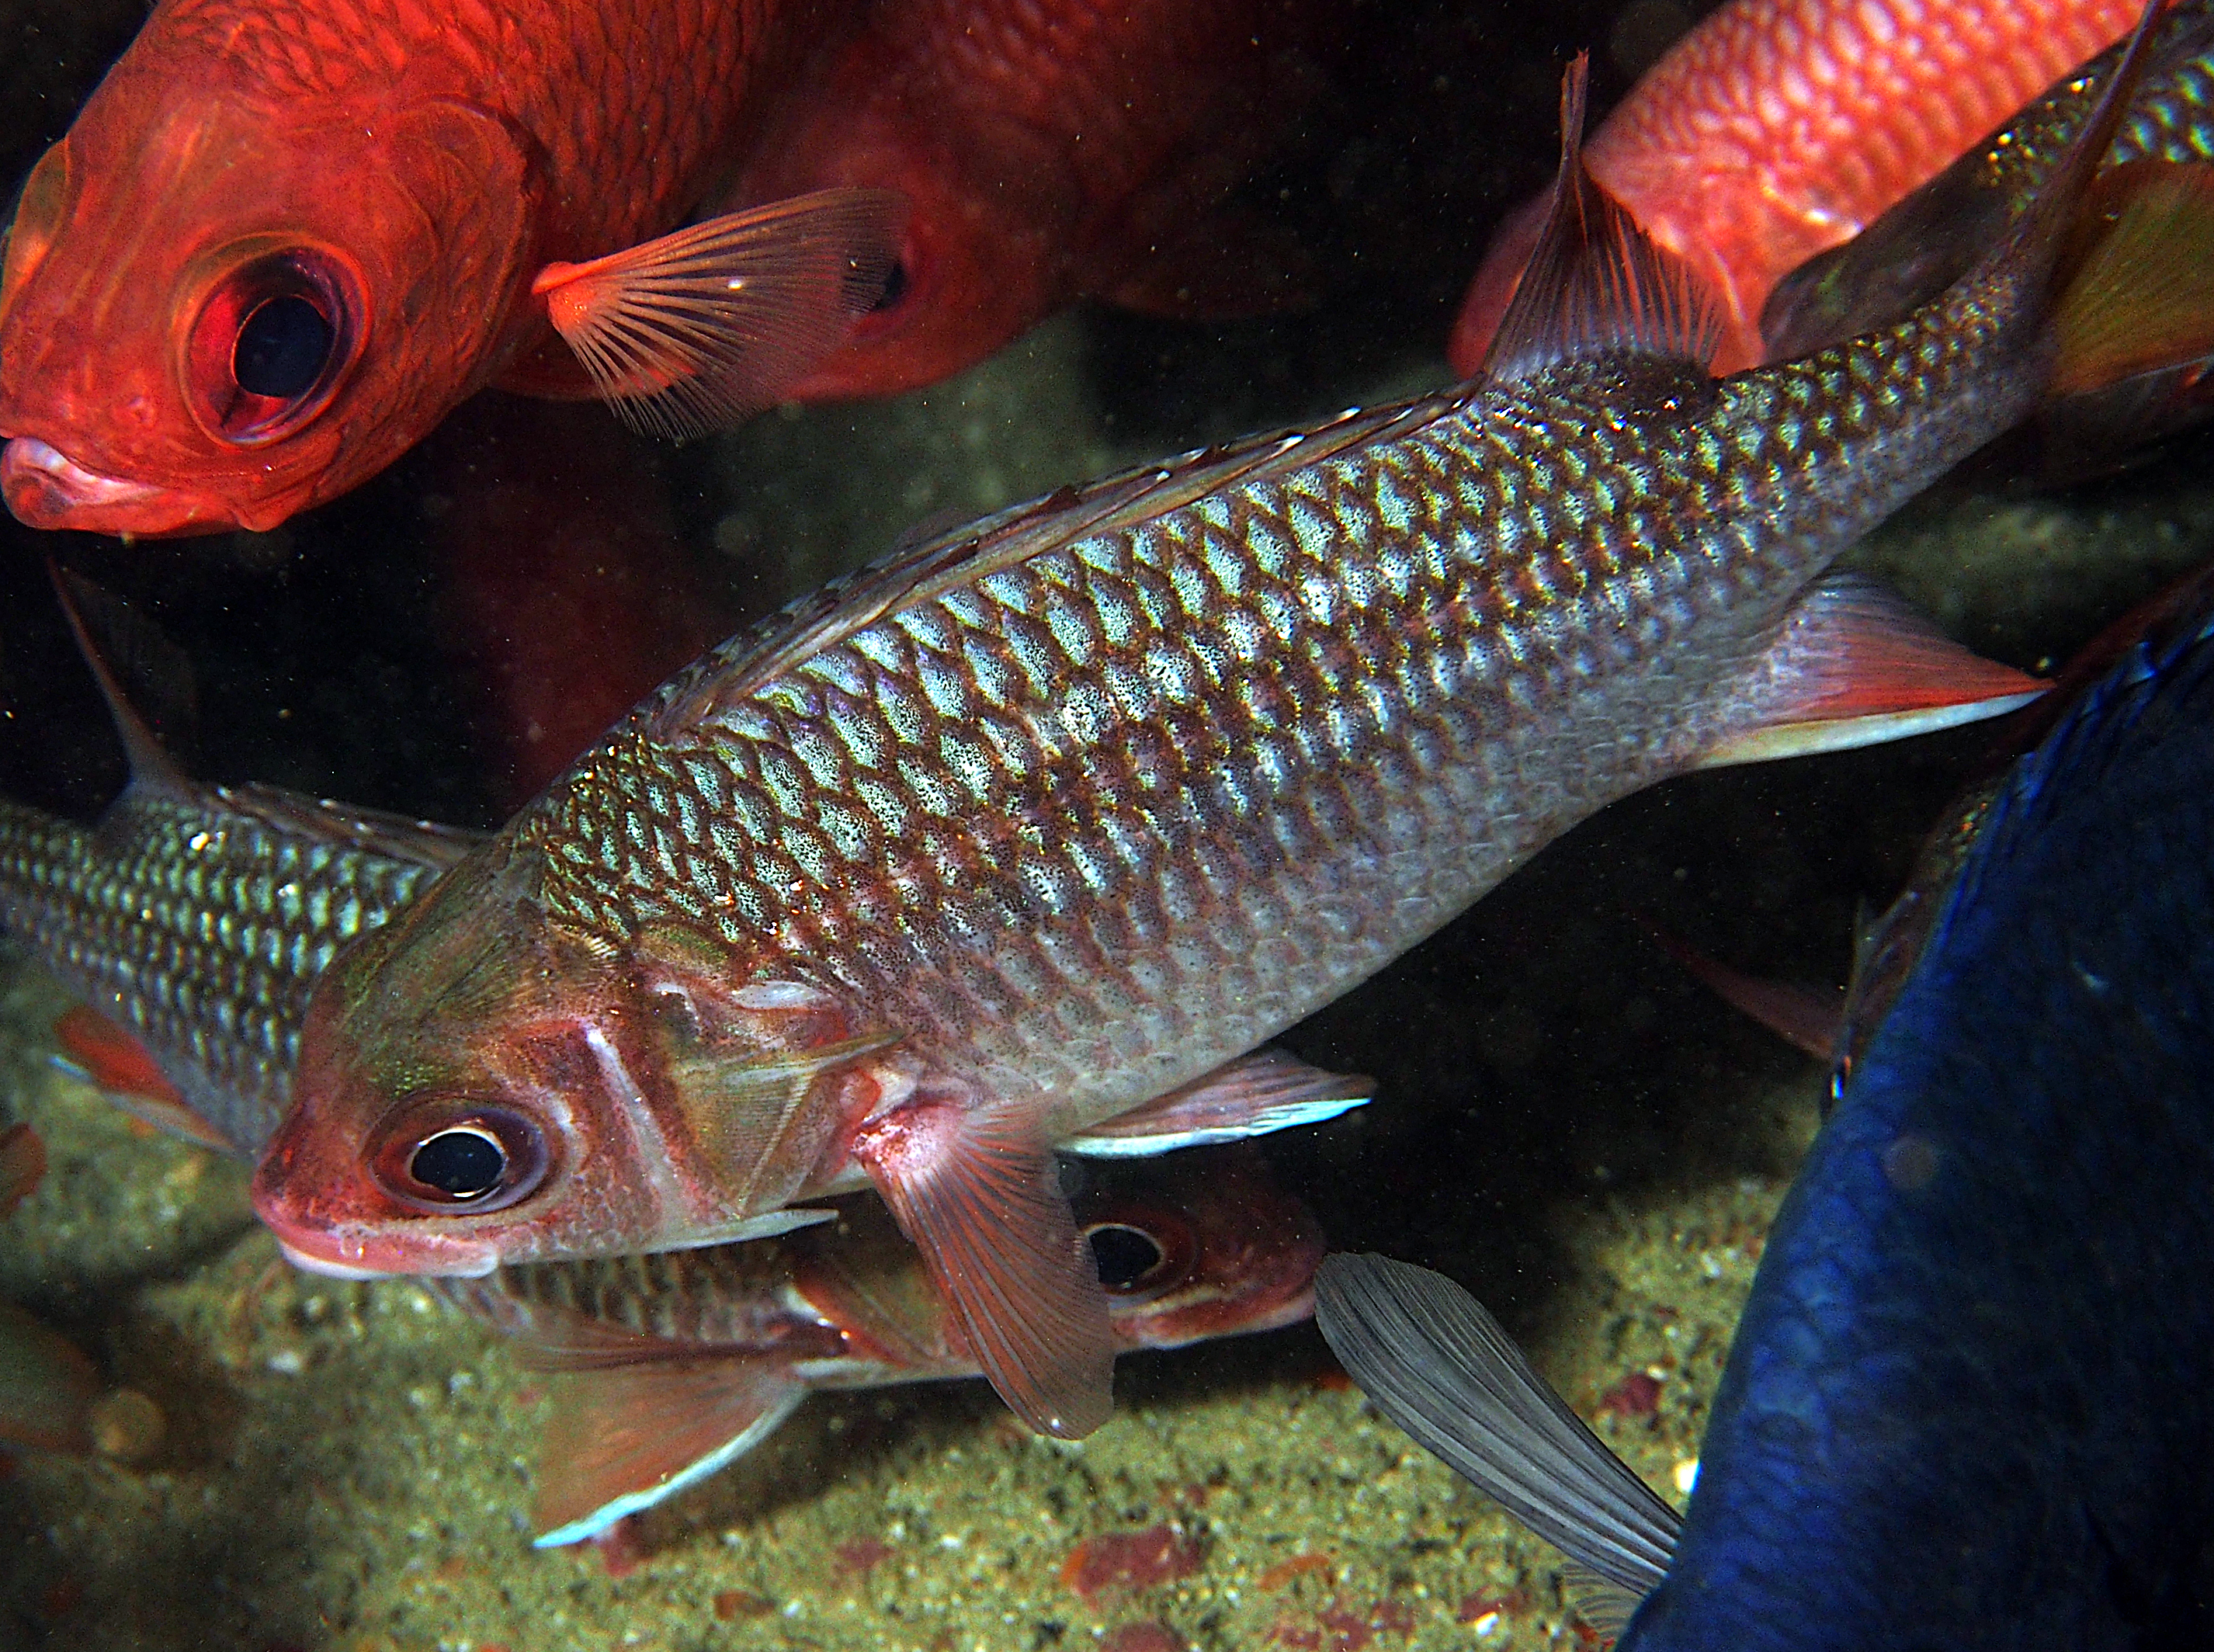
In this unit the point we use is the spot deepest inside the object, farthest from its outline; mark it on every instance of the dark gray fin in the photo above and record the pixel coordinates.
(1597, 284)
(106, 626)
(1434, 1362)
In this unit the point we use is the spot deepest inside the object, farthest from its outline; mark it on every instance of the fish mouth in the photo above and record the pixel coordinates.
(46, 488)
(339, 1259)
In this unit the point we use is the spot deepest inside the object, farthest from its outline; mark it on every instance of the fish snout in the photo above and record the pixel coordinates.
(46, 488)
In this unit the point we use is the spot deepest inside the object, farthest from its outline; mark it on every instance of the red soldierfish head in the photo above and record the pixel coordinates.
(478, 1086)
(216, 311)
(1201, 1245)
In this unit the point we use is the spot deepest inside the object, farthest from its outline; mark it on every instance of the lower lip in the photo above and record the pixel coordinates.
(45, 488)
(469, 1261)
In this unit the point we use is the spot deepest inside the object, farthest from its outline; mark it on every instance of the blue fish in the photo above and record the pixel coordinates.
(1969, 1404)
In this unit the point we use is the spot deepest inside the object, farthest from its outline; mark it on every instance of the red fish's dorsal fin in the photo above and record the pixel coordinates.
(621, 1438)
(697, 328)
(1596, 284)
(1853, 666)
(981, 1198)
(151, 658)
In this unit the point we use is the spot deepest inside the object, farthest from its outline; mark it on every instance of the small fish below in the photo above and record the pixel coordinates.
(1965, 1405)
(672, 1366)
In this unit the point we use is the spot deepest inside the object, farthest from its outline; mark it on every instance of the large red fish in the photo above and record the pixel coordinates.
(285, 237)
(1779, 128)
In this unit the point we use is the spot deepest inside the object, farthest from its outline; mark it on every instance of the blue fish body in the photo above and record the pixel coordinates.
(1968, 1403)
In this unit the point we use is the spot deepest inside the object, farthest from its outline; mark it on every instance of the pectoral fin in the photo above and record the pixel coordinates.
(1434, 1361)
(1855, 666)
(696, 328)
(1259, 1093)
(979, 1196)
(623, 1437)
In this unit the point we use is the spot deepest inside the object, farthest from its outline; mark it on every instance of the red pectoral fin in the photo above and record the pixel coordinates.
(698, 327)
(980, 1197)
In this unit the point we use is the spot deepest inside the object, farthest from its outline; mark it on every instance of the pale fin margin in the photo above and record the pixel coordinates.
(982, 1201)
(1596, 284)
(1258, 1094)
(1437, 1364)
(623, 1438)
(694, 329)
(1855, 666)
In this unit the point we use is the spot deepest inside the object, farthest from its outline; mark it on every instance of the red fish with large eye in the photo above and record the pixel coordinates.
(255, 270)
(1779, 128)
(285, 237)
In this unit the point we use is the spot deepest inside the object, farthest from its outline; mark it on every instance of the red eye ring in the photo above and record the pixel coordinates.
(442, 1157)
(275, 336)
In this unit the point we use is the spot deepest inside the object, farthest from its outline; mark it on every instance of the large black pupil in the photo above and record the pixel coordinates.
(460, 1164)
(282, 348)
(1123, 1256)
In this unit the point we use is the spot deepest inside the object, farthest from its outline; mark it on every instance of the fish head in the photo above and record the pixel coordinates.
(1201, 1245)
(480, 1085)
(219, 306)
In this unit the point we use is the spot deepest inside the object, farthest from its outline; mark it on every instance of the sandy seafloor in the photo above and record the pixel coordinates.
(1564, 1122)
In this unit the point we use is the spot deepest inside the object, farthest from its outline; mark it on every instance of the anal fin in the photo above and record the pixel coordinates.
(980, 1197)
(1258, 1094)
(623, 1437)
(1855, 666)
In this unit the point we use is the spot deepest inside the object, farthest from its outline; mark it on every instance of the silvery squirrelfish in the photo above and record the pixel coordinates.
(1041, 820)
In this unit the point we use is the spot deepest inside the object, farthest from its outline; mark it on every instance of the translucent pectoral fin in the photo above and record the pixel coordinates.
(623, 1437)
(1259, 1093)
(1438, 1365)
(978, 1195)
(1855, 666)
(696, 328)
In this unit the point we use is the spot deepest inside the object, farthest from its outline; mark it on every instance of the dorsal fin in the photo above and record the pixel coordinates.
(1597, 284)
(154, 657)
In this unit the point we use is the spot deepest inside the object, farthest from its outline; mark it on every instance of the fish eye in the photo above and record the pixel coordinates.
(443, 1158)
(1127, 1257)
(282, 348)
(274, 336)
